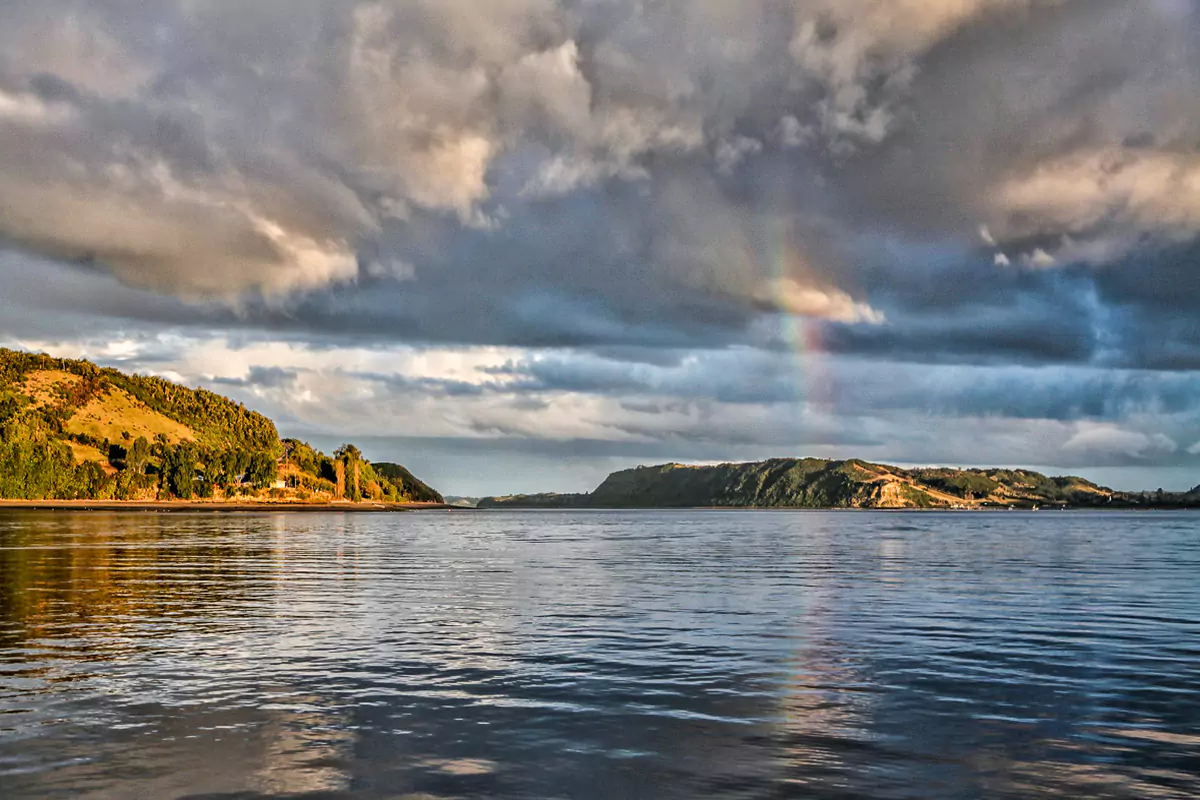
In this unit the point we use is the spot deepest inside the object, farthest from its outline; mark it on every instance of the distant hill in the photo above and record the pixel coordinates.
(408, 483)
(463, 502)
(547, 500)
(72, 430)
(818, 483)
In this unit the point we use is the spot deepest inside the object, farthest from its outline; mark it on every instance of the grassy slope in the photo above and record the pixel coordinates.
(84, 453)
(115, 414)
(109, 414)
(100, 404)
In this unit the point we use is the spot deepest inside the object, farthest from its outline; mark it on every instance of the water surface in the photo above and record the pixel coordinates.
(600, 655)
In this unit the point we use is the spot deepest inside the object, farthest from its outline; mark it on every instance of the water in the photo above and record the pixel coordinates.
(600, 655)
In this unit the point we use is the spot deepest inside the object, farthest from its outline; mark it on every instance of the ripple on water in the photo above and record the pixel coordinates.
(600, 654)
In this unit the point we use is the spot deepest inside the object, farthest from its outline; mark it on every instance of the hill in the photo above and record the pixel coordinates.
(818, 483)
(546, 500)
(72, 430)
(408, 483)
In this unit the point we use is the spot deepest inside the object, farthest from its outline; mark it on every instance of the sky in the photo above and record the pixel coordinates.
(519, 244)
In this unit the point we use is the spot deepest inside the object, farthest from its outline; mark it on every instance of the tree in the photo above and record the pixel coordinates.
(348, 452)
(178, 469)
(263, 469)
(351, 460)
(138, 456)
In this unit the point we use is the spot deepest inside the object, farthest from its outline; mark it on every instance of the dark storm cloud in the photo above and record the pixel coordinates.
(550, 174)
(570, 173)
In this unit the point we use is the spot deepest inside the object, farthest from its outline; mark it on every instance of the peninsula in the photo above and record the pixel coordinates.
(818, 483)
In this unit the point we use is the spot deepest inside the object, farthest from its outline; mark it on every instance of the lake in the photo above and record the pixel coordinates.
(573, 654)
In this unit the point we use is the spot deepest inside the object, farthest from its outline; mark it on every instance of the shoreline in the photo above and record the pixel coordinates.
(264, 506)
(183, 506)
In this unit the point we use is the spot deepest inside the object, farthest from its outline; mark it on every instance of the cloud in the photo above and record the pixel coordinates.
(259, 377)
(863, 56)
(732, 152)
(1038, 259)
(789, 295)
(628, 212)
(1105, 439)
(265, 151)
(1112, 194)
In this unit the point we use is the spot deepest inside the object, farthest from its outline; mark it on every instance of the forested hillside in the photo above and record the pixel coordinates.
(818, 483)
(72, 430)
(413, 488)
(347, 475)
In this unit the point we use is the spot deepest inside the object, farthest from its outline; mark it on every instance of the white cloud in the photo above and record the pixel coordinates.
(731, 152)
(1107, 439)
(1125, 192)
(792, 133)
(795, 297)
(1038, 259)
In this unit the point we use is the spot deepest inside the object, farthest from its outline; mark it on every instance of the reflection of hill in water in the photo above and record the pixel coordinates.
(84, 596)
(119, 573)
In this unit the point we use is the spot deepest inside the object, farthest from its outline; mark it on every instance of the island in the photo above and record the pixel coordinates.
(73, 434)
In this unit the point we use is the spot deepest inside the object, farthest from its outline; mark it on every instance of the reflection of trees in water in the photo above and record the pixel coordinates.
(110, 572)
(78, 591)
(288, 655)
(86, 597)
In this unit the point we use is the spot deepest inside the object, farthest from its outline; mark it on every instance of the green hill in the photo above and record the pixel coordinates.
(413, 489)
(72, 430)
(818, 483)
(548, 500)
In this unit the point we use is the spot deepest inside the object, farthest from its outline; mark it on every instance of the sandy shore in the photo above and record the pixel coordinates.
(177, 506)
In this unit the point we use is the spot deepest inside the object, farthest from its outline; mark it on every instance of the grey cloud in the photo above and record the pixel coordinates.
(437, 387)
(283, 148)
(675, 191)
(284, 136)
(260, 378)
(724, 376)
(868, 387)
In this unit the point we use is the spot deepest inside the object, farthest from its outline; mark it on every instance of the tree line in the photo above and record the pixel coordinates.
(347, 475)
